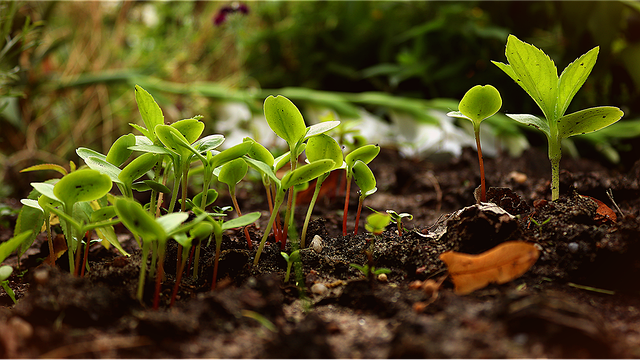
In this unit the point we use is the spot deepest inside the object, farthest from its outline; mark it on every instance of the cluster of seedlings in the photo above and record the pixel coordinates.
(178, 155)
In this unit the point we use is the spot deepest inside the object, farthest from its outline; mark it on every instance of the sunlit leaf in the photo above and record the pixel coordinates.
(588, 120)
(119, 151)
(284, 119)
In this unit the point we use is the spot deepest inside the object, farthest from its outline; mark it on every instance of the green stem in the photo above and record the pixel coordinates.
(555, 153)
(346, 206)
(276, 209)
(214, 281)
(146, 248)
(483, 191)
(316, 192)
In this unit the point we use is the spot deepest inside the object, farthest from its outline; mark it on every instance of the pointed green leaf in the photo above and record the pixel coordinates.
(284, 119)
(588, 120)
(54, 167)
(233, 172)
(9, 246)
(202, 230)
(208, 143)
(149, 110)
(153, 149)
(321, 128)
(171, 221)
(119, 151)
(306, 172)
(531, 120)
(480, 102)
(243, 220)
(364, 178)
(262, 168)
(536, 73)
(324, 147)
(159, 187)
(138, 220)
(82, 185)
(86, 153)
(173, 139)
(572, 78)
(138, 167)
(231, 153)
(31, 203)
(45, 189)
(104, 167)
(148, 134)
(109, 234)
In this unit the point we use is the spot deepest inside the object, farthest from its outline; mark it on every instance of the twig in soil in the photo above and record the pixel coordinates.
(589, 288)
(436, 186)
(610, 195)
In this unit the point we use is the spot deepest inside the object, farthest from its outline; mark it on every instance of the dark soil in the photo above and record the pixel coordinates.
(580, 299)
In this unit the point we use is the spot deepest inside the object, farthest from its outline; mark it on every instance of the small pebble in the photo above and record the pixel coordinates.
(41, 276)
(518, 177)
(317, 244)
(573, 247)
(382, 277)
(319, 289)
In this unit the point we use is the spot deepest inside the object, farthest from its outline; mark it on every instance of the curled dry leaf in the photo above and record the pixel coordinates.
(603, 213)
(501, 264)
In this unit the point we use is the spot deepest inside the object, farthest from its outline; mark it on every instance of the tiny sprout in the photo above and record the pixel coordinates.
(397, 218)
(365, 154)
(478, 104)
(231, 174)
(5, 273)
(377, 222)
(366, 181)
(290, 259)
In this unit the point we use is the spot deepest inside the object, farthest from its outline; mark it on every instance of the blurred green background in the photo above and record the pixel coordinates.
(67, 69)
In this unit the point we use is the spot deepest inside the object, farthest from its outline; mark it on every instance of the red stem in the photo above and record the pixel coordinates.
(346, 208)
(159, 275)
(360, 201)
(177, 285)
(215, 269)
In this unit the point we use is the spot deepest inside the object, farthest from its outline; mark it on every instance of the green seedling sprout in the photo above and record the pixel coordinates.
(78, 186)
(479, 103)
(365, 154)
(366, 181)
(536, 73)
(320, 147)
(219, 226)
(287, 122)
(199, 232)
(231, 174)
(6, 248)
(150, 229)
(397, 218)
(290, 259)
(376, 223)
(302, 174)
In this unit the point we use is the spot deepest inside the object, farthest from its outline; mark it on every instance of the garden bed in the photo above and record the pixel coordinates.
(580, 299)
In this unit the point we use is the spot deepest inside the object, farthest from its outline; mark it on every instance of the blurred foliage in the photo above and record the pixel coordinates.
(67, 69)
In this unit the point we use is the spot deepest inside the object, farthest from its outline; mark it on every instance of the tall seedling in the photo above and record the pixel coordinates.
(536, 73)
(320, 147)
(366, 181)
(365, 154)
(287, 122)
(231, 174)
(479, 103)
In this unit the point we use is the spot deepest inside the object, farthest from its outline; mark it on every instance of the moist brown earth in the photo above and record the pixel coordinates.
(580, 299)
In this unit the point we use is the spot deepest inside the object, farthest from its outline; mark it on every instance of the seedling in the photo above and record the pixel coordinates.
(199, 232)
(320, 147)
(219, 226)
(231, 174)
(290, 259)
(6, 248)
(536, 73)
(287, 122)
(365, 154)
(302, 174)
(366, 181)
(479, 103)
(150, 229)
(370, 271)
(397, 218)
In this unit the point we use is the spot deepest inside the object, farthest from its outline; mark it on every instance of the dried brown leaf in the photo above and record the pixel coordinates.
(501, 264)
